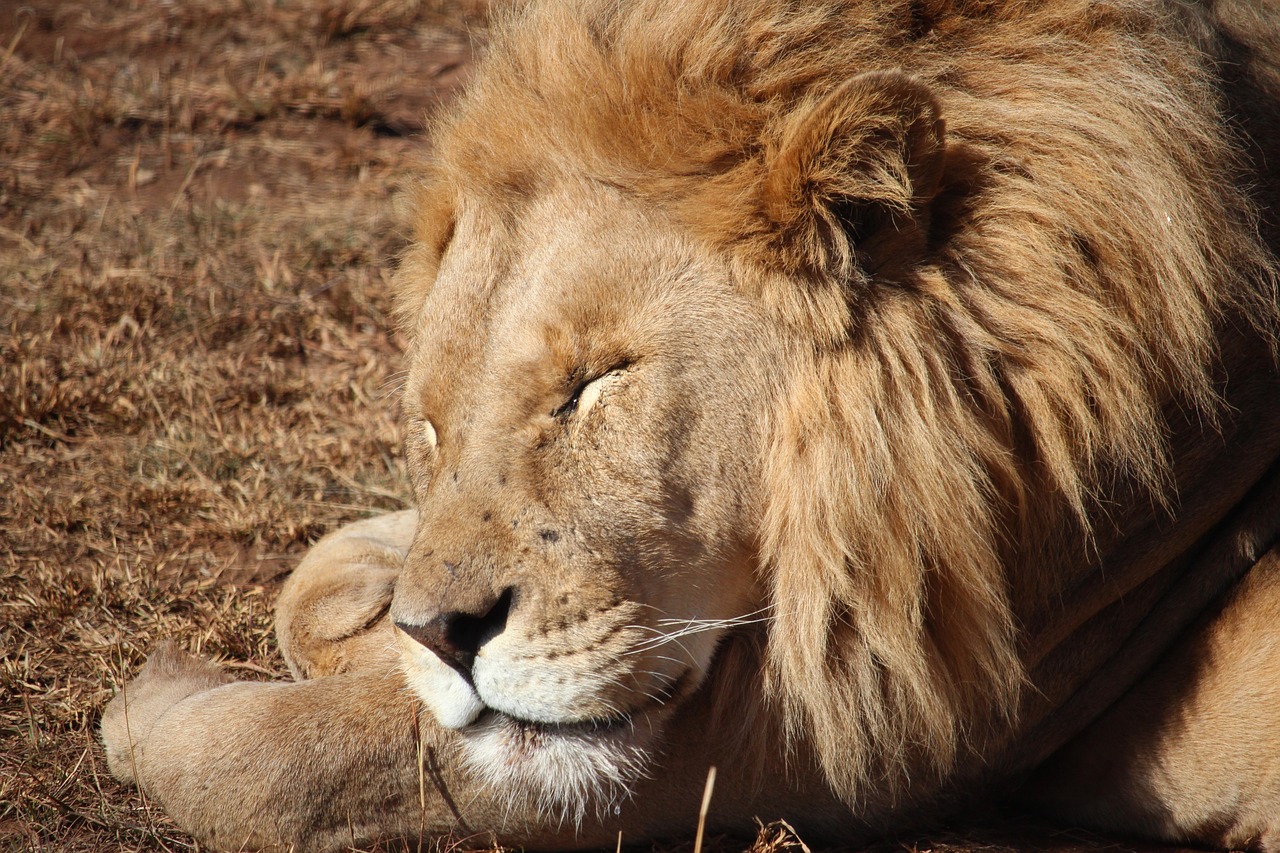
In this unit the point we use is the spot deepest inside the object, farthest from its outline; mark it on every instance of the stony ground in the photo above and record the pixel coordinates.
(200, 205)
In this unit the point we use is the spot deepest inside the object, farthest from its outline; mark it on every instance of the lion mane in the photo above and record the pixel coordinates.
(1009, 255)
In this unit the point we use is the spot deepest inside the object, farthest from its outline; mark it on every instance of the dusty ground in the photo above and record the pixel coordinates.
(198, 216)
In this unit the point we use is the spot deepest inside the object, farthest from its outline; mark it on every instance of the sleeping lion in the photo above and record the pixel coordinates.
(875, 400)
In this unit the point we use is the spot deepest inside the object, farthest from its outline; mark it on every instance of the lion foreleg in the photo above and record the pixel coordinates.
(309, 765)
(1190, 754)
(331, 614)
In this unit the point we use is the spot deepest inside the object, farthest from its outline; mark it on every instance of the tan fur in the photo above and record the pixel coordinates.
(1189, 755)
(921, 348)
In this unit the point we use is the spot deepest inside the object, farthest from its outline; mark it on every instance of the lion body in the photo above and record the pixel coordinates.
(858, 397)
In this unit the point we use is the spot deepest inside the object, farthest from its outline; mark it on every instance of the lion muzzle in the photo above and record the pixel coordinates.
(438, 654)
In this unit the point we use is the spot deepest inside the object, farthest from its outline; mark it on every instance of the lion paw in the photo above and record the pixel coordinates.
(330, 617)
(169, 676)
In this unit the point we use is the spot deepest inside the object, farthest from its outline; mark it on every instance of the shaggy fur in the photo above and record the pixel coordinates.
(940, 338)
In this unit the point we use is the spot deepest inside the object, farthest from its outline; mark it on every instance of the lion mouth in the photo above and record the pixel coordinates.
(536, 730)
(531, 734)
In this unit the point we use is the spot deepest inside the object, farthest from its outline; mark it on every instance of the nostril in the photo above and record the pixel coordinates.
(435, 636)
(456, 637)
(466, 633)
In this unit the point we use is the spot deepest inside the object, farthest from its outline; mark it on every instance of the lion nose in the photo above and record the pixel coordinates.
(457, 636)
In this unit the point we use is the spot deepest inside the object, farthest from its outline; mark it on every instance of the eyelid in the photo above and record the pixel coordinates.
(589, 394)
(586, 394)
(424, 429)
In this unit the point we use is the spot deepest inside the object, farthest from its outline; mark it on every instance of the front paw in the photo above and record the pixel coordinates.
(169, 676)
(331, 613)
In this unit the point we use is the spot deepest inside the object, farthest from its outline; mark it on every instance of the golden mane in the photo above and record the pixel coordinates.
(983, 352)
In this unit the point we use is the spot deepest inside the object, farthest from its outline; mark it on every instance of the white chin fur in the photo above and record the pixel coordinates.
(445, 693)
(565, 773)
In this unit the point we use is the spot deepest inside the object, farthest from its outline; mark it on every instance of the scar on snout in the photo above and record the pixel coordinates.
(488, 516)
(549, 535)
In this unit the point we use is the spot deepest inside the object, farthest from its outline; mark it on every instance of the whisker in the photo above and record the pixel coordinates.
(754, 613)
(689, 627)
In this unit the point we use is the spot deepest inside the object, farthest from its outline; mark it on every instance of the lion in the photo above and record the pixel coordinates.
(875, 401)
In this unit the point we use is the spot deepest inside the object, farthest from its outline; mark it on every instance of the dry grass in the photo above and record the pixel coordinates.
(197, 218)
(198, 213)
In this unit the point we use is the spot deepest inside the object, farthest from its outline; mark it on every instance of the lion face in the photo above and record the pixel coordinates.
(827, 337)
(585, 452)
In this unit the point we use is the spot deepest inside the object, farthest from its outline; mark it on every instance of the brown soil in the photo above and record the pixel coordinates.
(199, 211)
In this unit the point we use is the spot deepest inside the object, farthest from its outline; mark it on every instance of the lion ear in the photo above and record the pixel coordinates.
(850, 176)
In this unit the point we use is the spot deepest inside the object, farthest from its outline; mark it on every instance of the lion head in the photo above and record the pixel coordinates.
(791, 327)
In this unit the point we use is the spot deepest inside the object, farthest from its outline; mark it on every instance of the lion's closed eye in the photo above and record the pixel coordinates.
(422, 437)
(587, 394)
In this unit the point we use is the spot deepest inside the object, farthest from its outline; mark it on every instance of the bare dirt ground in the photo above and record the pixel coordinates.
(200, 205)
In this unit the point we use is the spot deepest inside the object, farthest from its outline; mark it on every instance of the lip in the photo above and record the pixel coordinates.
(533, 729)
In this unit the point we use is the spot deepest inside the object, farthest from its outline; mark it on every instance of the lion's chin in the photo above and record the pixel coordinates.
(567, 770)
